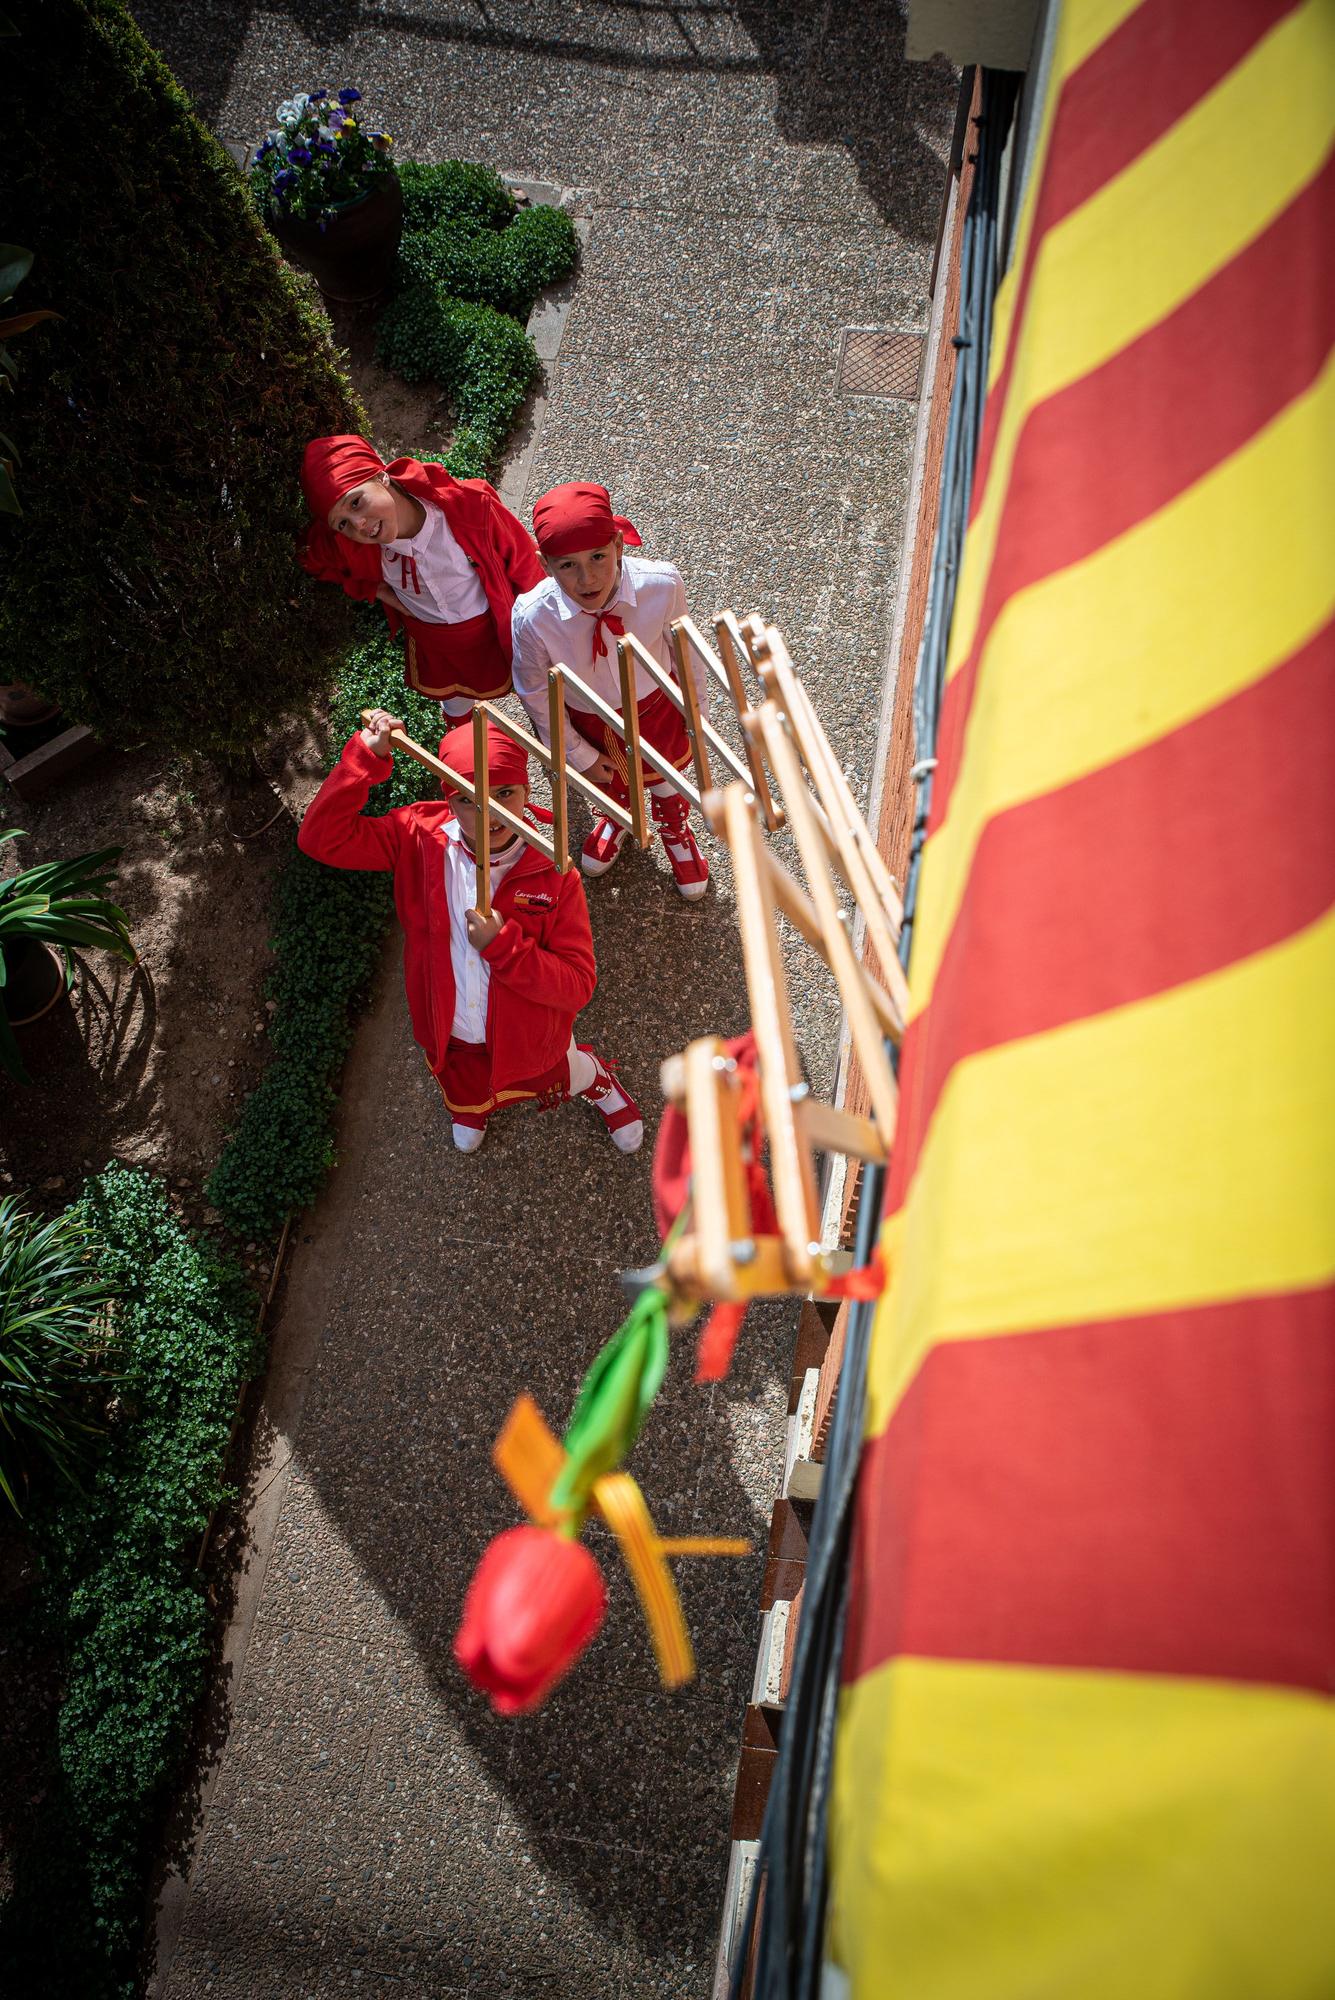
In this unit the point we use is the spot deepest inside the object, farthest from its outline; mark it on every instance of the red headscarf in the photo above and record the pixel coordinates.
(331, 467)
(507, 763)
(577, 516)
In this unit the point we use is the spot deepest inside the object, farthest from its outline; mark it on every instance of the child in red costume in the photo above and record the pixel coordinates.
(442, 555)
(593, 589)
(493, 999)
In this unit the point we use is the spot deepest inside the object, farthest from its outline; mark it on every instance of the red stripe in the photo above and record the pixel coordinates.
(1145, 1496)
(1132, 89)
(1211, 843)
(1123, 441)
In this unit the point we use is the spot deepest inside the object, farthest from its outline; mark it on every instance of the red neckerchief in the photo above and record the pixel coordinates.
(407, 567)
(616, 626)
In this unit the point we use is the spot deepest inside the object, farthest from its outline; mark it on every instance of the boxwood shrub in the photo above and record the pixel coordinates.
(470, 268)
(329, 924)
(149, 586)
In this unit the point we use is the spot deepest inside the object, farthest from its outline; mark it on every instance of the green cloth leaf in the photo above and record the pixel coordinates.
(613, 1400)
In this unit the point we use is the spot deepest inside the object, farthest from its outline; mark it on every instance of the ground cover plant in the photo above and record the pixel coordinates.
(121, 1595)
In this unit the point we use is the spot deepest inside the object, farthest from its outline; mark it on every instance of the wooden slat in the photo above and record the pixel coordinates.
(834, 1131)
(733, 650)
(791, 1169)
(854, 986)
(556, 726)
(630, 736)
(718, 1182)
(859, 862)
(482, 824)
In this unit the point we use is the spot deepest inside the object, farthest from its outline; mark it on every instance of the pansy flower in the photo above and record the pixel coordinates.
(301, 154)
(349, 97)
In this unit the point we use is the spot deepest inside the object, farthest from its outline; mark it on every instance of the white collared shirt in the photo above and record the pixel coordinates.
(550, 630)
(472, 974)
(430, 574)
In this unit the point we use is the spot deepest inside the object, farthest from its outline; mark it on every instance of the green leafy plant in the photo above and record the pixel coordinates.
(15, 264)
(54, 1336)
(61, 903)
(185, 376)
(329, 925)
(319, 158)
(122, 1594)
(483, 361)
(470, 267)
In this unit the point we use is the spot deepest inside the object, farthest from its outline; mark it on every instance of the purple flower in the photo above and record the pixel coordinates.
(349, 97)
(301, 154)
(318, 96)
(285, 180)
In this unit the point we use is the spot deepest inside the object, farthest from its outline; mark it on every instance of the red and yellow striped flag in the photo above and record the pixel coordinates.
(1086, 1743)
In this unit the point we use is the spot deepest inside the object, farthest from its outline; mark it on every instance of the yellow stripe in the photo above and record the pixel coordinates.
(1014, 1833)
(1170, 1153)
(1082, 28)
(1184, 610)
(1151, 237)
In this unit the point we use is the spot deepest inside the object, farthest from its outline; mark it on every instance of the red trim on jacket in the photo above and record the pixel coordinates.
(495, 541)
(542, 964)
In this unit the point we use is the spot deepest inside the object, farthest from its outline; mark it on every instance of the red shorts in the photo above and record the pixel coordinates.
(466, 1084)
(660, 724)
(452, 660)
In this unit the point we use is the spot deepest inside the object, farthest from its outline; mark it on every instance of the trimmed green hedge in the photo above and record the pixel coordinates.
(469, 270)
(329, 924)
(122, 1595)
(150, 586)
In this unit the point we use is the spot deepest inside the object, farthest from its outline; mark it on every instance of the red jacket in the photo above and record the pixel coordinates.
(542, 965)
(497, 544)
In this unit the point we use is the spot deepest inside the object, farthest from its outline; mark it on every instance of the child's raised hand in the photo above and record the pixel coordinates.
(481, 930)
(376, 734)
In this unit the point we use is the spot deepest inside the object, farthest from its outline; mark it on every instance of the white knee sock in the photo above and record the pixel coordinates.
(583, 1069)
(456, 706)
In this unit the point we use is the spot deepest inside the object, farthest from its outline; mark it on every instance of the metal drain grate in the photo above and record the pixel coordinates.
(877, 361)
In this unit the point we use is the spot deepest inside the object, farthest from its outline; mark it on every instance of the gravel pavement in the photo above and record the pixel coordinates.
(750, 181)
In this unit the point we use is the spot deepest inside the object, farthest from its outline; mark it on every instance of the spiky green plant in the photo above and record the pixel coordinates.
(54, 1342)
(61, 903)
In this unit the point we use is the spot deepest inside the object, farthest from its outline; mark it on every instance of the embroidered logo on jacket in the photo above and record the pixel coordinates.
(534, 899)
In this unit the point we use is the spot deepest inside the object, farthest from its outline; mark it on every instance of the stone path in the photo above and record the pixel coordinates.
(755, 179)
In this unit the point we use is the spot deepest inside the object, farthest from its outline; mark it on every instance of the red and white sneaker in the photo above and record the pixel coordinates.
(616, 1107)
(602, 847)
(689, 867)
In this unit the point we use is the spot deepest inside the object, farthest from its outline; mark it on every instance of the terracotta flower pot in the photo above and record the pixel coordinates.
(352, 257)
(34, 980)
(21, 707)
